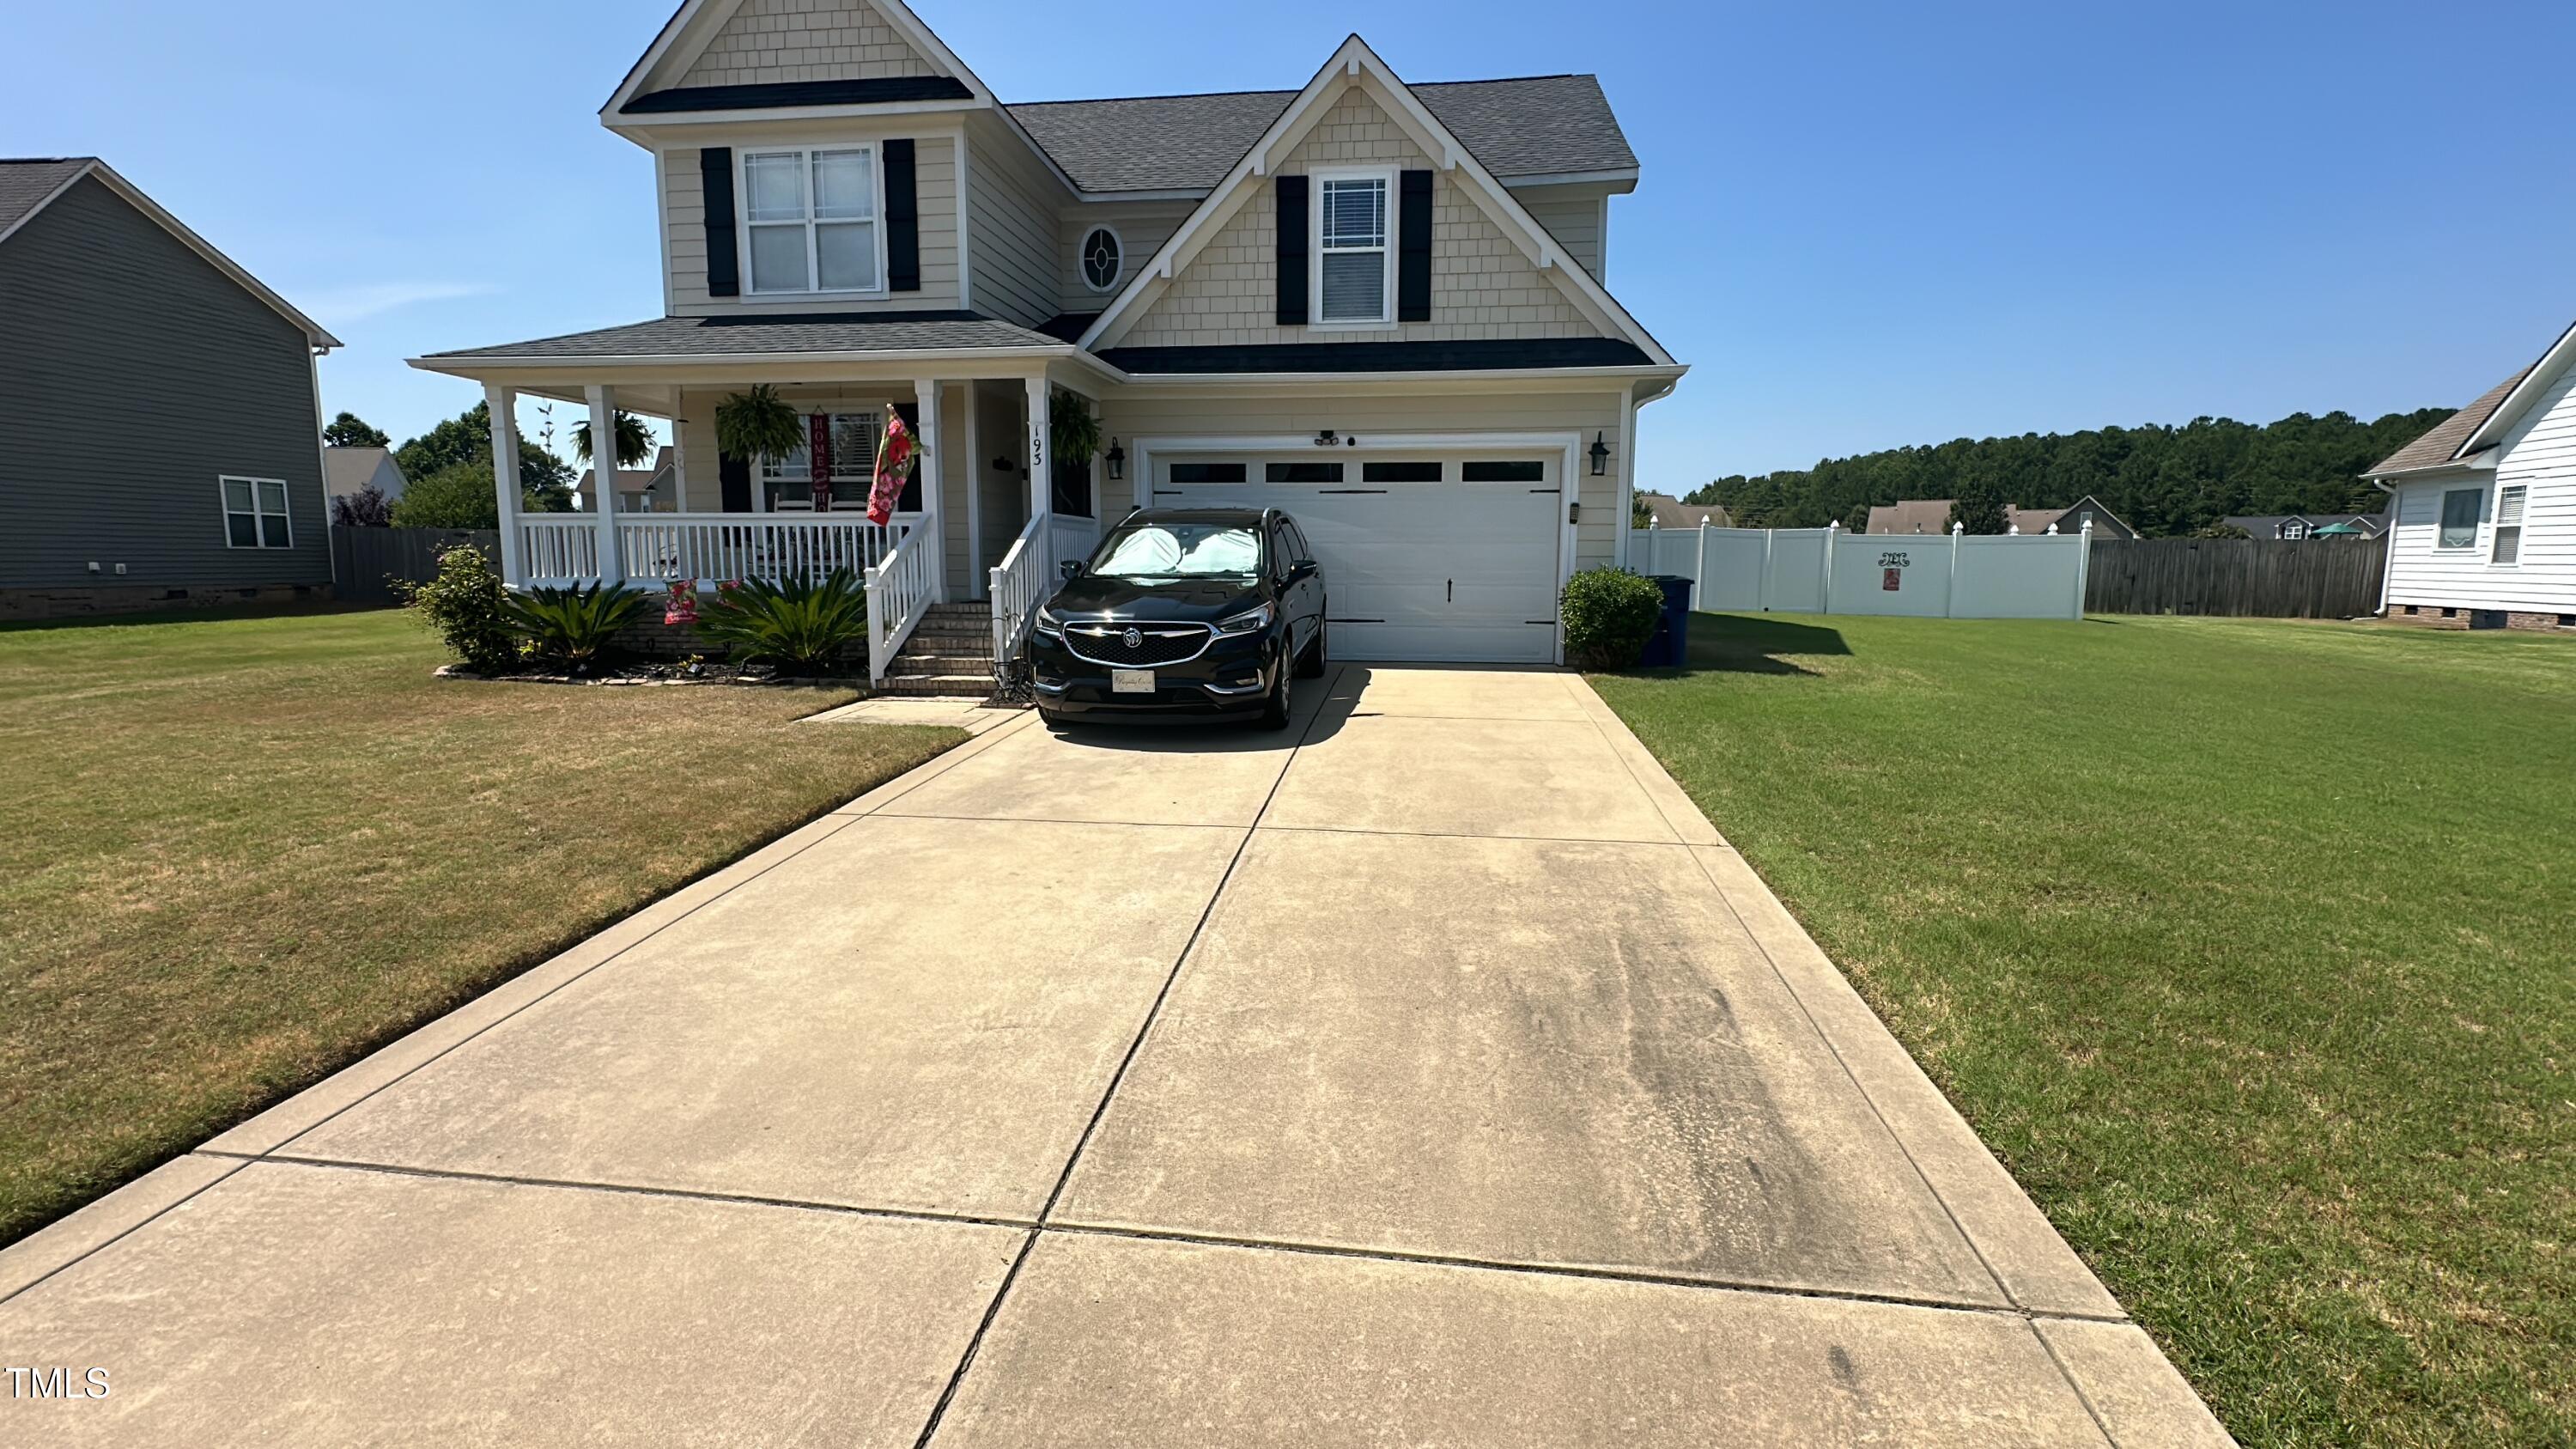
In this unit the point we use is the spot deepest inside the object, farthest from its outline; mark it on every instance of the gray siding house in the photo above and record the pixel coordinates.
(160, 438)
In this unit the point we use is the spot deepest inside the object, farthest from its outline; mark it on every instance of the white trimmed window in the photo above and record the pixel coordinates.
(255, 513)
(2459, 518)
(809, 220)
(789, 482)
(1354, 263)
(2508, 530)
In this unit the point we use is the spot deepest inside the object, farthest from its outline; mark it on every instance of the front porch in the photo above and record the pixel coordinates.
(981, 529)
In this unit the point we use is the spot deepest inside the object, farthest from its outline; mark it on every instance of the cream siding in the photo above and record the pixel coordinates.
(684, 231)
(1013, 201)
(1142, 227)
(2539, 455)
(1481, 284)
(1575, 215)
(1134, 413)
(772, 41)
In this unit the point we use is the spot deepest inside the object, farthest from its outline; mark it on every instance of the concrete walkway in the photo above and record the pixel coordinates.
(1429, 1074)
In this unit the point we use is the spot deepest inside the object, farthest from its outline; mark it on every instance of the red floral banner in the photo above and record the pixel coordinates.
(818, 449)
(682, 606)
(894, 465)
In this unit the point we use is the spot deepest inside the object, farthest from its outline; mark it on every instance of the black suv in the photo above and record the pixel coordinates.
(1183, 611)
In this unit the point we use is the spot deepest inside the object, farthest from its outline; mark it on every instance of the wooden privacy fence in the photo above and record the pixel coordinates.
(2263, 578)
(363, 559)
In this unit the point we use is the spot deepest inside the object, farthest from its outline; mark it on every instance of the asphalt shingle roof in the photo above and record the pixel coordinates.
(715, 336)
(2438, 445)
(1526, 126)
(26, 181)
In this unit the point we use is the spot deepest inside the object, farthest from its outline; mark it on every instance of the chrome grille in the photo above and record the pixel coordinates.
(1152, 646)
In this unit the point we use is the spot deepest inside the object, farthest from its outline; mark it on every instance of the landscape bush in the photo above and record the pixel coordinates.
(468, 607)
(576, 626)
(1609, 615)
(799, 624)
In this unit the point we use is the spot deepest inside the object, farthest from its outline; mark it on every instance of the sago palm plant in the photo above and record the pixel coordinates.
(574, 626)
(801, 624)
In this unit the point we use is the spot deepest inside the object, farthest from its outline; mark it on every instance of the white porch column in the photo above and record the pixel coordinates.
(603, 478)
(934, 483)
(1041, 485)
(504, 403)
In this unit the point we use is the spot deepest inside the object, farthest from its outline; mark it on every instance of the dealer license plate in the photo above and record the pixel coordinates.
(1131, 681)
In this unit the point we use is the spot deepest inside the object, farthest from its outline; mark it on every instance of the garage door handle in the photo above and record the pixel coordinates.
(1453, 591)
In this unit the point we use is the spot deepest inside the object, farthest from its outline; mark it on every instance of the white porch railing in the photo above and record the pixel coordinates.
(899, 592)
(558, 548)
(1069, 537)
(713, 546)
(1020, 582)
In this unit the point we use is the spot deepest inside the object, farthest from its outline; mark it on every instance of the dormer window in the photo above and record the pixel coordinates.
(810, 220)
(1354, 283)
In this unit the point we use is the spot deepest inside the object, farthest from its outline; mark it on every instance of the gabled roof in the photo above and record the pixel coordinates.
(1550, 125)
(1671, 512)
(2482, 424)
(30, 184)
(1352, 62)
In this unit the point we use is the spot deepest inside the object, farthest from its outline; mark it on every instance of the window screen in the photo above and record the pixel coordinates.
(1353, 221)
(2508, 533)
(2460, 518)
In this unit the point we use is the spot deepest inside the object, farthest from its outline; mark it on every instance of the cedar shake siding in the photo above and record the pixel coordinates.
(133, 375)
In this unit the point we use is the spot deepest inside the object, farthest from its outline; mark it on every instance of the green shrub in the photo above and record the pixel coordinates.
(798, 624)
(1609, 615)
(469, 608)
(574, 626)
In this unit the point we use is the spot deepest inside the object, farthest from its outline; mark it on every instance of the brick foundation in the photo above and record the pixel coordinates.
(2432, 616)
(650, 638)
(82, 601)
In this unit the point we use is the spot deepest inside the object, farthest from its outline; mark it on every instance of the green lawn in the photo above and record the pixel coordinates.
(239, 853)
(2250, 948)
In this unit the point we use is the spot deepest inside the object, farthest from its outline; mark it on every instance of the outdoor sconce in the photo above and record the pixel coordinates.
(1116, 458)
(1600, 454)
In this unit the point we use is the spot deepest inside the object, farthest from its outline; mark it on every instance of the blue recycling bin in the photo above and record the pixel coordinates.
(1669, 645)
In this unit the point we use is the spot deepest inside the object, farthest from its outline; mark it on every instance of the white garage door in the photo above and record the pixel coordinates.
(1426, 557)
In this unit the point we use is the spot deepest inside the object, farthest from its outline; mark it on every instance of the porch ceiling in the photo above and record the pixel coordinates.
(828, 347)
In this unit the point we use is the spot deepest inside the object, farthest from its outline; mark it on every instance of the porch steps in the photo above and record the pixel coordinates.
(949, 656)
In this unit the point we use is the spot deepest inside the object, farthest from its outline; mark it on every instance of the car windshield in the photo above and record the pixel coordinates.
(1180, 551)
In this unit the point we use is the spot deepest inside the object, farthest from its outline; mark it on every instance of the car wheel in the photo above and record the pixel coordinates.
(1310, 665)
(1274, 712)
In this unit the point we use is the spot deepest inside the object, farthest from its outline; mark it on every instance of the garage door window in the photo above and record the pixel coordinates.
(1302, 472)
(1512, 472)
(1183, 473)
(1399, 472)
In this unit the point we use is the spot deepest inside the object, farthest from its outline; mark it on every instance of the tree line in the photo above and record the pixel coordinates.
(2162, 480)
(447, 471)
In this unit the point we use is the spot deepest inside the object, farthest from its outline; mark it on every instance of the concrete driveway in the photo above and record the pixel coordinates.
(1429, 1074)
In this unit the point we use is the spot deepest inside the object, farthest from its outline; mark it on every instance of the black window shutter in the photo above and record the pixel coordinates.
(715, 180)
(735, 474)
(1291, 193)
(910, 502)
(1413, 248)
(903, 220)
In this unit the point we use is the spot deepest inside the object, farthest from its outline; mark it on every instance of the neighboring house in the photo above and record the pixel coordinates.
(1932, 515)
(354, 470)
(1671, 512)
(160, 437)
(640, 490)
(1377, 305)
(2291, 527)
(2482, 509)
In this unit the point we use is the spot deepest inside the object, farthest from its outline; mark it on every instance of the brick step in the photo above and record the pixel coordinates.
(943, 665)
(937, 686)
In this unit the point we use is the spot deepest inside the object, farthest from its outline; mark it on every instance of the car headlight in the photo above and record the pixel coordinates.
(1251, 622)
(1048, 624)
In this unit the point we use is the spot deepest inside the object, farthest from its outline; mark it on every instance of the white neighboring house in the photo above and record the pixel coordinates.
(352, 470)
(639, 490)
(2483, 507)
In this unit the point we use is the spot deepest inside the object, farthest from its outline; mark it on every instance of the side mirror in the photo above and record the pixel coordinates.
(1071, 569)
(1302, 570)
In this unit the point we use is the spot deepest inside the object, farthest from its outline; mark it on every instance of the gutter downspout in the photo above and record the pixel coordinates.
(2387, 546)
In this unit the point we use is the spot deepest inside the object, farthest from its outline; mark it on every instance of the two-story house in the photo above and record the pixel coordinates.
(1380, 306)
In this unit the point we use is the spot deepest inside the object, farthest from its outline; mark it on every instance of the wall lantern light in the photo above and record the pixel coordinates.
(1116, 458)
(1600, 454)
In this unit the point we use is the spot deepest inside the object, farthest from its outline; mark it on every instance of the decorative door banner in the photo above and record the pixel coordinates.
(894, 465)
(818, 451)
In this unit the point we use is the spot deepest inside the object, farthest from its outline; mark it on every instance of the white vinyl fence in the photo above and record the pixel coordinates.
(1829, 571)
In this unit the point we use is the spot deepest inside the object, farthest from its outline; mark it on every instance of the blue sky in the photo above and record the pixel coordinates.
(1864, 226)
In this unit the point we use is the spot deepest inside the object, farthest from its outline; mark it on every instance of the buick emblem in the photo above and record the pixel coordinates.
(1135, 638)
